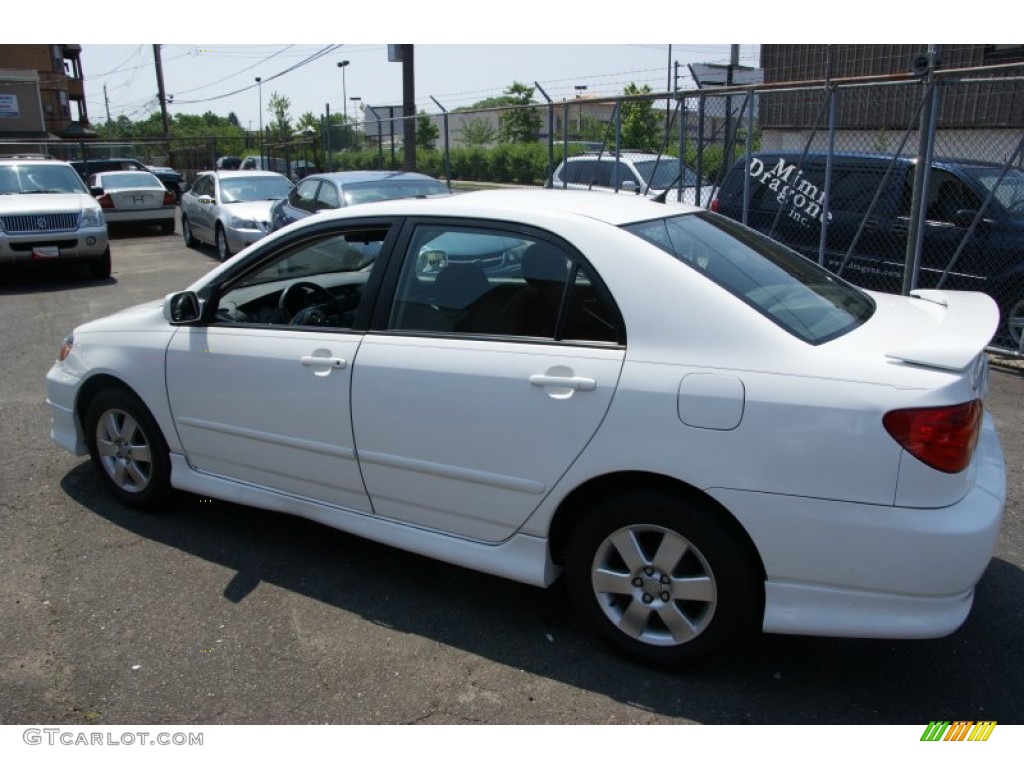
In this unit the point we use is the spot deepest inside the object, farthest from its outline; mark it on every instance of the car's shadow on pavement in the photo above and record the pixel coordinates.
(974, 674)
(47, 277)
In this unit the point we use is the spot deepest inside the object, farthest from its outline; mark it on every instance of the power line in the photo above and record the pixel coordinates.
(322, 52)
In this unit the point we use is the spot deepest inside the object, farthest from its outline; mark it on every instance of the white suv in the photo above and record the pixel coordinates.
(641, 173)
(47, 213)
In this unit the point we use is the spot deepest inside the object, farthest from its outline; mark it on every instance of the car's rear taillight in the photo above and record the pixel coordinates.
(943, 438)
(715, 205)
(168, 197)
(105, 201)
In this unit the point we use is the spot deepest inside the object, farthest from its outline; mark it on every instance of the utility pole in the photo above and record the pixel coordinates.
(160, 91)
(409, 108)
(106, 101)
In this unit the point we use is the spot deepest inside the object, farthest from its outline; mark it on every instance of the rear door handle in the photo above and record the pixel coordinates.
(578, 383)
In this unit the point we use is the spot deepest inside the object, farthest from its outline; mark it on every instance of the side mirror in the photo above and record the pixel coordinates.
(96, 191)
(964, 216)
(630, 186)
(182, 308)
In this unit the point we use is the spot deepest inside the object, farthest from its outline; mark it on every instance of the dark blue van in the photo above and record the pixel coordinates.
(786, 200)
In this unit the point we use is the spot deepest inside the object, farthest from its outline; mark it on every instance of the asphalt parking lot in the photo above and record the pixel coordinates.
(217, 613)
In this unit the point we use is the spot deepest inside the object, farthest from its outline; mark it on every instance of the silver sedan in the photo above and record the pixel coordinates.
(134, 197)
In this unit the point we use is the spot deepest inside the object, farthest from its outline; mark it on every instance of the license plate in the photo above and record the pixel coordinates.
(45, 252)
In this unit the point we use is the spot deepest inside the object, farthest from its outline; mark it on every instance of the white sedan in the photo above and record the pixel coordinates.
(134, 197)
(707, 433)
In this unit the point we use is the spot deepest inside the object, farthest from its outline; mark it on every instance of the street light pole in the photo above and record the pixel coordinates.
(259, 85)
(344, 96)
(579, 123)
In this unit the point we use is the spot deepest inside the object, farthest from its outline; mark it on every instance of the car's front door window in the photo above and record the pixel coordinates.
(318, 283)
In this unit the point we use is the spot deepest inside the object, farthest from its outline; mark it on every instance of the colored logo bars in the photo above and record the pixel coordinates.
(959, 730)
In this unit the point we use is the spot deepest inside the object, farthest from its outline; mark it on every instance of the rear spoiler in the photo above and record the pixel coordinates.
(966, 328)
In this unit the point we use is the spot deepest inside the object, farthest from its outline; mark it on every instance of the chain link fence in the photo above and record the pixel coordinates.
(895, 183)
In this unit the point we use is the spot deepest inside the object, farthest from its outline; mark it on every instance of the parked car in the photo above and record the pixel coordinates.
(230, 209)
(47, 213)
(228, 163)
(641, 173)
(785, 200)
(173, 181)
(327, 191)
(134, 197)
(817, 460)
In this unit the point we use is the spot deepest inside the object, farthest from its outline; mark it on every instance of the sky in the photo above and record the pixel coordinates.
(221, 77)
(465, 51)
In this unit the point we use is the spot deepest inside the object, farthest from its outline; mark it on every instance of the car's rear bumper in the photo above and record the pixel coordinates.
(155, 215)
(860, 570)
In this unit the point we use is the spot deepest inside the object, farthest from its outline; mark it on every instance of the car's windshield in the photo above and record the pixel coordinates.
(1009, 192)
(128, 180)
(664, 173)
(40, 179)
(242, 190)
(808, 301)
(370, 191)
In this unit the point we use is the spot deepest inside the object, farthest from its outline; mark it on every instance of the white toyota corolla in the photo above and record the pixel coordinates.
(706, 432)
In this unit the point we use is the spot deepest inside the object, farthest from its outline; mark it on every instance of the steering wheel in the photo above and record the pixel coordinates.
(304, 301)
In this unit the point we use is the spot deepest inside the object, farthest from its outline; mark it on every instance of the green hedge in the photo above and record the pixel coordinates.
(519, 164)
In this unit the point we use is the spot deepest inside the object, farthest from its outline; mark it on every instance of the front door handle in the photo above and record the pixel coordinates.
(317, 362)
(578, 383)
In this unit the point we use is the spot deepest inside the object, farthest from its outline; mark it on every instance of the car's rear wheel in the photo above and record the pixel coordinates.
(223, 249)
(100, 267)
(186, 232)
(167, 227)
(127, 449)
(663, 578)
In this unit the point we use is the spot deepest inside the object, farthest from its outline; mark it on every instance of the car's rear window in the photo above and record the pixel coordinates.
(372, 191)
(129, 179)
(808, 301)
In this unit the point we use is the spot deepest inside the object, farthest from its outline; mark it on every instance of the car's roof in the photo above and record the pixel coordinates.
(358, 177)
(624, 154)
(868, 157)
(525, 204)
(127, 172)
(254, 174)
(29, 161)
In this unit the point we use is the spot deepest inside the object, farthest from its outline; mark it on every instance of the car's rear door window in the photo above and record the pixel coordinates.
(806, 300)
(497, 282)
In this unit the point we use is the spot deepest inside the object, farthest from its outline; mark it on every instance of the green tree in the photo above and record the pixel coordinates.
(477, 131)
(639, 123)
(520, 124)
(426, 131)
(280, 125)
(307, 120)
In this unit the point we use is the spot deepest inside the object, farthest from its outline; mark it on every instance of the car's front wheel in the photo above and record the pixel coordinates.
(186, 232)
(663, 578)
(99, 267)
(223, 249)
(127, 448)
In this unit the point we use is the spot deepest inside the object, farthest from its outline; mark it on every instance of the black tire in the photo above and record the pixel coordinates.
(128, 450)
(220, 240)
(99, 268)
(186, 232)
(664, 578)
(167, 227)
